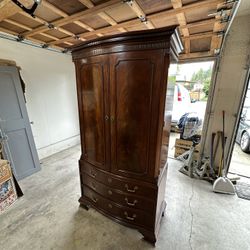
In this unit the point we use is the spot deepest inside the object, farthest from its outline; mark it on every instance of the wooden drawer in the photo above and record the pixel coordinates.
(135, 187)
(129, 215)
(124, 199)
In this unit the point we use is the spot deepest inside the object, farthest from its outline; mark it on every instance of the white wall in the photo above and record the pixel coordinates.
(230, 81)
(50, 93)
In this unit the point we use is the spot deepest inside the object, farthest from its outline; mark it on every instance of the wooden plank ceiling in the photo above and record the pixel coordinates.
(62, 23)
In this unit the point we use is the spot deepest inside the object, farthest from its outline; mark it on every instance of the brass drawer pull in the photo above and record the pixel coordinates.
(130, 204)
(131, 190)
(93, 174)
(94, 199)
(128, 217)
(106, 117)
(110, 192)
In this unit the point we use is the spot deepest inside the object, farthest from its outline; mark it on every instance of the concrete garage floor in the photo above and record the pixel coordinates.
(240, 163)
(49, 217)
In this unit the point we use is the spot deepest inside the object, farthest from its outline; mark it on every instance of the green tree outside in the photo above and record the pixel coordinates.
(203, 77)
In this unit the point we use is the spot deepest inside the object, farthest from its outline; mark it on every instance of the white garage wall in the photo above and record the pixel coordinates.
(50, 94)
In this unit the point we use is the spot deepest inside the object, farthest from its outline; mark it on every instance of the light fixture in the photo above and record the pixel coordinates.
(31, 10)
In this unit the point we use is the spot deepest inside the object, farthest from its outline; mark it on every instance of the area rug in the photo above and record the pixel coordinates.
(243, 190)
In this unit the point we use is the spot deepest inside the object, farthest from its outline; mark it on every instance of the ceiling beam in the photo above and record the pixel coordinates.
(177, 4)
(195, 55)
(134, 22)
(210, 21)
(54, 38)
(77, 16)
(191, 6)
(25, 27)
(87, 3)
(8, 8)
(3, 3)
(216, 40)
(110, 20)
(49, 36)
(136, 8)
(68, 43)
(103, 15)
(64, 14)
(199, 35)
(7, 31)
(83, 25)
(42, 21)
(107, 18)
(54, 9)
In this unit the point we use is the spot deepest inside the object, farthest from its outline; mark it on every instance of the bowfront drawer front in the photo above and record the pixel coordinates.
(124, 199)
(129, 215)
(129, 186)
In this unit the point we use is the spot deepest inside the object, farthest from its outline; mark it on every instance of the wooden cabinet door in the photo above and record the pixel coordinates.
(134, 86)
(92, 81)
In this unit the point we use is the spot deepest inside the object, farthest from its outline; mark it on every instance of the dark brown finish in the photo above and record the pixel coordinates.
(122, 85)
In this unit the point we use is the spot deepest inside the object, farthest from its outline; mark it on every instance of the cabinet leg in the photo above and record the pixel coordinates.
(84, 204)
(148, 236)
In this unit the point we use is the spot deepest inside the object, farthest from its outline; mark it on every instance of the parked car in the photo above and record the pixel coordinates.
(182, 103)
(243, 133)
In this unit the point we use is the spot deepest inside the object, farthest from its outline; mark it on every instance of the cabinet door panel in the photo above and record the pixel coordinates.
(132, 80)
(93, 88)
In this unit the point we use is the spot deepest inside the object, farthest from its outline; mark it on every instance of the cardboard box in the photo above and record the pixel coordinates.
(181, 146)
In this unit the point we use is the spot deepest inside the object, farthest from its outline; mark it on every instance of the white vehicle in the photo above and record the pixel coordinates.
(182, 103)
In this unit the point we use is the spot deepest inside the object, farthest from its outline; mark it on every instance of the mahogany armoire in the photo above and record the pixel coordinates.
(122, 92)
